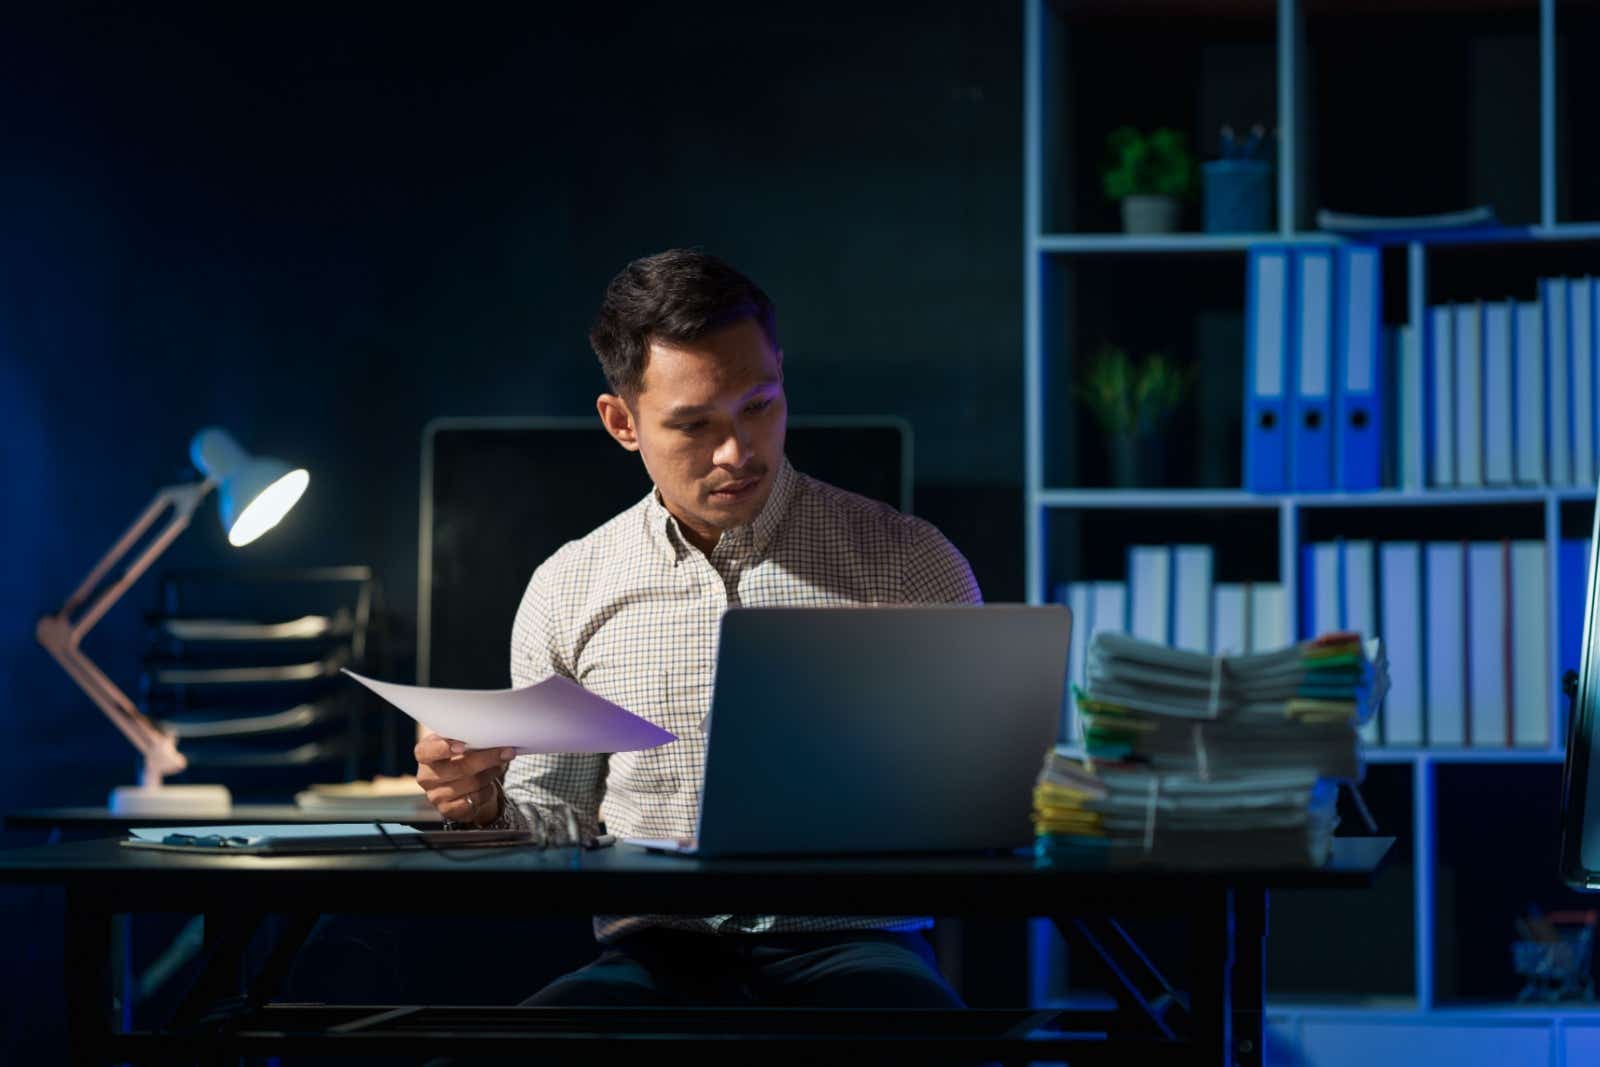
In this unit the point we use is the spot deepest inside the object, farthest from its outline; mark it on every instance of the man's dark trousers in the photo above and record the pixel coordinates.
(839, 969)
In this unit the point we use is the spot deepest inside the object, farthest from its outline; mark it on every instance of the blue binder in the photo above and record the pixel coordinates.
(1360, 376)
(1266, 382)
(1308, 593)
(1311, 449)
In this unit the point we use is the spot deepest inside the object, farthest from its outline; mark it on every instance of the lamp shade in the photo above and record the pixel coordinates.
(253, 492)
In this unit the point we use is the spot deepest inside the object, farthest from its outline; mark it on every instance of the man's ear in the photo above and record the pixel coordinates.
(618, 420)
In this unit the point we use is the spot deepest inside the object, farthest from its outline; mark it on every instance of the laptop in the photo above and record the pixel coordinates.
(878, 729)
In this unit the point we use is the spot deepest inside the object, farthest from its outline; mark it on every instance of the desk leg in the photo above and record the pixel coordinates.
(1249, 975)
(224, 986)
(124, 990)
(1146, 1002)
(292, 932)
(1211, 979)
(1230, 943)
(87, 969)
(221, 979)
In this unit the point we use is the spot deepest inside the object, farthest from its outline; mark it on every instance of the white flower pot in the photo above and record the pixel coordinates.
(1149, 214)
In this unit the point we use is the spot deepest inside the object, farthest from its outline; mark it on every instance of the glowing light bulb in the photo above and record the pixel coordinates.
(269, 506)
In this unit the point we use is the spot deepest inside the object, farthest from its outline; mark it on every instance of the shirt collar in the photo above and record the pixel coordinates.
(663, 528)
(770, 517)
(671, 542)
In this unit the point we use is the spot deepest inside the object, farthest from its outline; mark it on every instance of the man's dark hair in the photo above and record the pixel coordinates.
(676, 296)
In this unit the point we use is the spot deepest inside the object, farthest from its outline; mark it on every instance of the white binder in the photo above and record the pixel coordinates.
(1401, 627)
(1469, 395)
(1528, 359)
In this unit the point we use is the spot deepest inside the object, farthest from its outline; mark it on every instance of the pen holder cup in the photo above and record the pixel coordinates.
(1556, 970)
(1238, 195)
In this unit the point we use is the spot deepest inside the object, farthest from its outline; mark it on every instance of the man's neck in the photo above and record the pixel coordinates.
(700, 540)
(705, 539)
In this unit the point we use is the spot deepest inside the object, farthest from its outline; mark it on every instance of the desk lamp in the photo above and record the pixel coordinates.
(253, 493)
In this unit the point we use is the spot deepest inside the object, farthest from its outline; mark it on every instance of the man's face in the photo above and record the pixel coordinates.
(709, 424)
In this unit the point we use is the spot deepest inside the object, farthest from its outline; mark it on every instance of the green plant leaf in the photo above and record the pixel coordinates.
(1129, 397)
(1158, 164)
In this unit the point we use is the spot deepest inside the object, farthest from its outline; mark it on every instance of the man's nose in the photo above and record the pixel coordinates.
(734, 450)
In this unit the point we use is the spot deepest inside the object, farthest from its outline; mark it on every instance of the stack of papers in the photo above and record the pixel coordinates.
(1335, 675)
(1212, 716)
(1196, 760)
(1098, 815)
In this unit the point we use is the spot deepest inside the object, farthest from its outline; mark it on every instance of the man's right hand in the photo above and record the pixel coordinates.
(461, 784)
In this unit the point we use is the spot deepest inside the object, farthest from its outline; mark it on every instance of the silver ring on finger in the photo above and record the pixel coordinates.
(472, 805)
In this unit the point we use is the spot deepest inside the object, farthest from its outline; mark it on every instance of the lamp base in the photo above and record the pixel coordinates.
(205, 800)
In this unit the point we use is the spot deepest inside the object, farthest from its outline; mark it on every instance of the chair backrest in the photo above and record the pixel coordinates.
(499, 495)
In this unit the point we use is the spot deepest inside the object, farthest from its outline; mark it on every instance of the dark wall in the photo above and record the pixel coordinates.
(322, 229)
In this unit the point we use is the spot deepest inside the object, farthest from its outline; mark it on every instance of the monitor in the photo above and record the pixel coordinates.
(499, 495)
(1580, 801)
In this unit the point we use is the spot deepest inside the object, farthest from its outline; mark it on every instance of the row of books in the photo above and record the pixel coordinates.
(1169, 597)
(1192, 760)
(1468, 625)
(1507, 394)
(1492, 394)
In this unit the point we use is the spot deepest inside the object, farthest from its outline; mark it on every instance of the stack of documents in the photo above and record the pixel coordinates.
(1114, 815)
(1192, 759)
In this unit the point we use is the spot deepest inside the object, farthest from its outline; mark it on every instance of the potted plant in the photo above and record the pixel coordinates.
(1132, 400)
(1149, 174)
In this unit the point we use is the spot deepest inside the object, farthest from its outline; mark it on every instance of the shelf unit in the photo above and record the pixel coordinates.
(1179, 243)
(1050, 482)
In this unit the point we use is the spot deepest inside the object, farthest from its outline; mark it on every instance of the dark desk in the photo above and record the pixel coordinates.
(1221, 1023)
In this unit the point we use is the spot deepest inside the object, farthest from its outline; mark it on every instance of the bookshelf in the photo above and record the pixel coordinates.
(1275, 56)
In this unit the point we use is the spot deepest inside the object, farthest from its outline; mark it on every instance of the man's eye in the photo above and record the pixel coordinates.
(760, 405)
(692, 427)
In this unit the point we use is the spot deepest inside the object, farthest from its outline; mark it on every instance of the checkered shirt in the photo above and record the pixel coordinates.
(632, 613)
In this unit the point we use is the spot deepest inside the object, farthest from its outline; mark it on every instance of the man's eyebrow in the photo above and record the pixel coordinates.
(684, 411)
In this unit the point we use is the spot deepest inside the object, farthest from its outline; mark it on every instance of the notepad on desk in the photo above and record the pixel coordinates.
(284, 839)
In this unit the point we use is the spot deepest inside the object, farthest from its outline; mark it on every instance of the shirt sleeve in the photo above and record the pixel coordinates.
(936, 572)
(556, 795)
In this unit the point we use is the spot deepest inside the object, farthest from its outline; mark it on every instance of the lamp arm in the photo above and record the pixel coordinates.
(62, 637)
(183, 500)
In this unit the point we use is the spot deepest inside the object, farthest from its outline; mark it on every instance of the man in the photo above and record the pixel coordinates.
(690, 353)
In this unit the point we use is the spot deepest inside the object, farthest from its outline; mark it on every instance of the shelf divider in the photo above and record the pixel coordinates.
(1424, 849)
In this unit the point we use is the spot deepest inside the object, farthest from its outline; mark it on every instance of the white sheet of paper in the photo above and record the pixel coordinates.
(555, 715)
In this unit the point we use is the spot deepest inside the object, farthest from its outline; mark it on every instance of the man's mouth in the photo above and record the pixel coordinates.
(735, 490)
